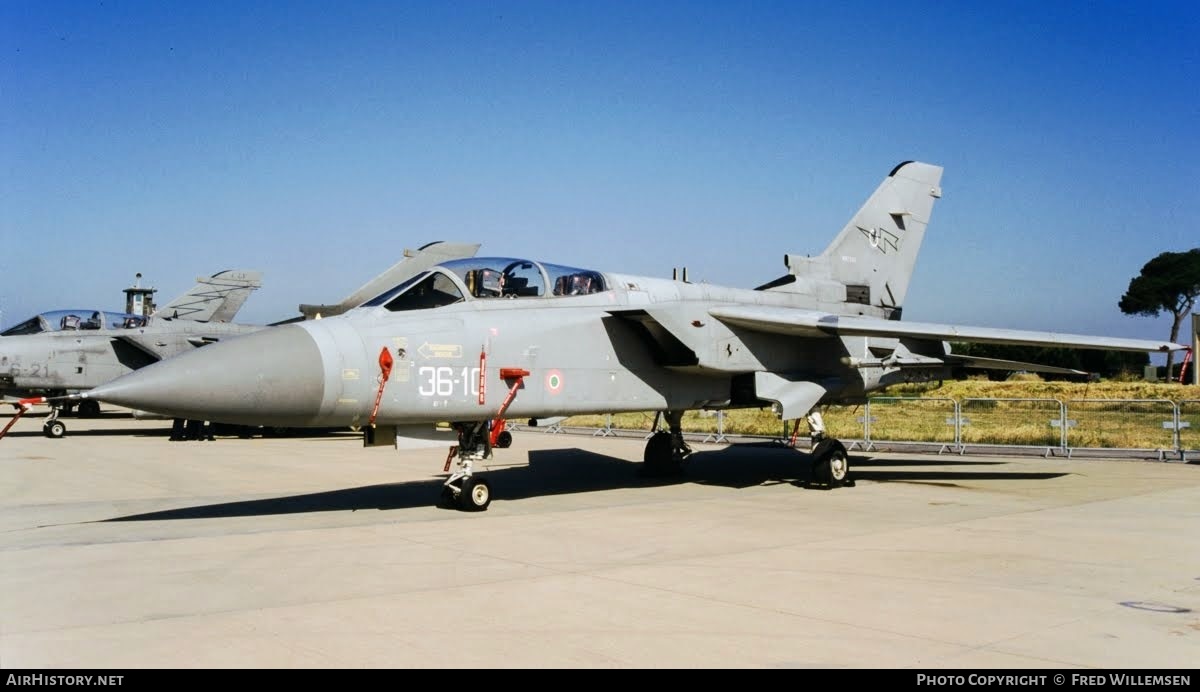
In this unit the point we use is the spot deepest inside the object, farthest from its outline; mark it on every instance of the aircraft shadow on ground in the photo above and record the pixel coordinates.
(76, 429)
(573, 470)
(106, 432)
(31, 424)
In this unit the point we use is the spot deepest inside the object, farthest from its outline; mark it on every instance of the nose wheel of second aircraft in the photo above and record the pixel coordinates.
(54, 429)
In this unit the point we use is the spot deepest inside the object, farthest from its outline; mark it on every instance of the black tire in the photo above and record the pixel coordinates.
(54, 429)
(476, 495)
(89, 408)
(504, 439)
(658, 448)
(831, 465)
(659, 457)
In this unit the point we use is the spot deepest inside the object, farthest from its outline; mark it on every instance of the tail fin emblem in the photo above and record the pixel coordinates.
(881, 239)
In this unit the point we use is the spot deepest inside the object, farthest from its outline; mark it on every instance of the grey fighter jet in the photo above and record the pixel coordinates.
(472, 342)
(71, 351)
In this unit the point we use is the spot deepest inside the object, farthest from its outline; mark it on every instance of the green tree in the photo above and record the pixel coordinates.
(1168, 283)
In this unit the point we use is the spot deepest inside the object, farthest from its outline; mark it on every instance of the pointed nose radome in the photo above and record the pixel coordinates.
(271, 377)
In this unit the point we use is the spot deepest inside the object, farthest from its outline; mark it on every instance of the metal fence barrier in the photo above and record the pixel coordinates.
(1029, 423)
(1121, 424)
(935, 419)
(1187, 431)
(718, 436)
(1157, 426)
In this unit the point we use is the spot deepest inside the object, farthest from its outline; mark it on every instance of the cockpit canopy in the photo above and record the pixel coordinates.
(74, 320)
(488, 277)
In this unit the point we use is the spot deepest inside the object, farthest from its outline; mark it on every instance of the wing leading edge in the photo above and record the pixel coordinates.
(808, 323)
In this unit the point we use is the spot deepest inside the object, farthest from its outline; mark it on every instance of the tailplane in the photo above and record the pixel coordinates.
(215, 298)
(874, 254)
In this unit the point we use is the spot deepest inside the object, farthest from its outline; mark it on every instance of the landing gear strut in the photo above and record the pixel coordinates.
(53, 427)
(666, 450)
(462, 489)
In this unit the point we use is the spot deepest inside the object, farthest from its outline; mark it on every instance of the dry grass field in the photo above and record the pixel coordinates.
(1111, 414)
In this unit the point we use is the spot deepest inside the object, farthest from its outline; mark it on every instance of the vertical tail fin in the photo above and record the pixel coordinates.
(216, 298)
(874, 254)
(878, 248)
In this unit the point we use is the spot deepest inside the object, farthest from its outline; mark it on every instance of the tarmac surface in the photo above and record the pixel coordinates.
(122, 549)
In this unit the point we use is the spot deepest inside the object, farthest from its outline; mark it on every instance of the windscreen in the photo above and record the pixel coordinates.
(434, 291)
(394, 291)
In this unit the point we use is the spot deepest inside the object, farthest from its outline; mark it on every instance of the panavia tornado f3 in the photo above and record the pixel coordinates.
(471, 342)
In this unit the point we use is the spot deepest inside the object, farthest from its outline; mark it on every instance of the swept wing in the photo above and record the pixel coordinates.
(811, 323)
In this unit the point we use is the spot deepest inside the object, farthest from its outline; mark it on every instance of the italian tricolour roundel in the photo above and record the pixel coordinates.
(554, 381)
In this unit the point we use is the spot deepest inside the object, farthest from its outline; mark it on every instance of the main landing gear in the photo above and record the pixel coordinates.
(666, 450)
(831, 464)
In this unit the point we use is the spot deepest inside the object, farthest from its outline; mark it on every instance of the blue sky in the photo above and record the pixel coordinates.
(316, 141)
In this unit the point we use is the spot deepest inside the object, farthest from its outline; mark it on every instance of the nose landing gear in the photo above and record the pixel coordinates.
(463, 489)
